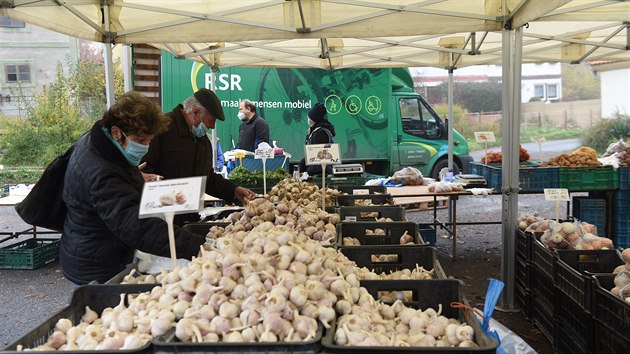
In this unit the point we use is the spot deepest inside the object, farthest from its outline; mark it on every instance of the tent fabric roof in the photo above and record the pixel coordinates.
(343, 33)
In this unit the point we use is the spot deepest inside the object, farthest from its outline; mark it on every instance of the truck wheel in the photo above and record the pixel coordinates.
(435, 172)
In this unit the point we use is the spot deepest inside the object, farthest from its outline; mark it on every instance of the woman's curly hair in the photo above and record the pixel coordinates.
(136, 114)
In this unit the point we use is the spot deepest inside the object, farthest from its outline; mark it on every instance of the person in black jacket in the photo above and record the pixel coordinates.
(185, 150)
(321, 131)
(254, 129)
(102, 191)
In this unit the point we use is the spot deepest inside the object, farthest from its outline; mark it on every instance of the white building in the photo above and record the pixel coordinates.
(28, 60)
(615, 87)
(541, 80)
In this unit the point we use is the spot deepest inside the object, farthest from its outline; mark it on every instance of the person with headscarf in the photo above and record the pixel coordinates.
(320, 131)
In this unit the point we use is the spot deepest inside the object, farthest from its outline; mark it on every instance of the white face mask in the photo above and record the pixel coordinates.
(242, 116)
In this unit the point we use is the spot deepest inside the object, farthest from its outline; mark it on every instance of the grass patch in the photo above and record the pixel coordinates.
(526, 134)
(17, 176)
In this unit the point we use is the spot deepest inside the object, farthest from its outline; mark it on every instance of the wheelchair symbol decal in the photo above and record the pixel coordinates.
(353, 104)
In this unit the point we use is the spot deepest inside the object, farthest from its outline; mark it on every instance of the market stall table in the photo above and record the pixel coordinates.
(451, 225)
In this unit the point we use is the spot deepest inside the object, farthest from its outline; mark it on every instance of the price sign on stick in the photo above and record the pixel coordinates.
(322, 154)
(558, 195)
(264, 154)
(485, 137)
(166, 198)
(538, 140)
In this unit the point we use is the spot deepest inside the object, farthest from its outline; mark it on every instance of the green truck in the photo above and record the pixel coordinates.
(380, 121)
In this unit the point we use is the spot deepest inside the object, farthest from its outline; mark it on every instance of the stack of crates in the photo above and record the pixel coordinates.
(575, 324)
(611, 317)
(621, 222)
(543, 291)
(522, 270)
(592, 211)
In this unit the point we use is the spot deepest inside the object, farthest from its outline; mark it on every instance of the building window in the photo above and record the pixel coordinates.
(552, 91)
(539, 91)
(6, 21)
(18, 73)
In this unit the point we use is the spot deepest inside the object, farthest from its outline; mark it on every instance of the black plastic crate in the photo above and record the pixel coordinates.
(407, 257)
(426, 294)
(624, 178)
(543, 317)
(364, 199)
(98, 297)
(575, 326)
(202, 228)
(523, 300)
(362, 189)
(574, 268)
(371, 213)
(393, 231)
(543, 289)
(607, 308)
(524, 244)
(522, 271)
(427, 233)
(608, 341)
(591, 210)
(170, 344)
(543, 257)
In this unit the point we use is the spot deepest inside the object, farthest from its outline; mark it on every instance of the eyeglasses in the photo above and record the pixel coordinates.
(144, 140)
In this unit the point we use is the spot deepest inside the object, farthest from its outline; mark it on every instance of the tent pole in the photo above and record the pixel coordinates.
(107, 58)
(126, 56)
(213, 139)
(451, 121)
(510, 131)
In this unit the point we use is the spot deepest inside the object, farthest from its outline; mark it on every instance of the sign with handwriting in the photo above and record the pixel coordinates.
(485, 137)
(557, 194)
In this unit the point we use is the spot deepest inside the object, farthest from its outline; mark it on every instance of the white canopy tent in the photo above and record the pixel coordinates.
(360, 33)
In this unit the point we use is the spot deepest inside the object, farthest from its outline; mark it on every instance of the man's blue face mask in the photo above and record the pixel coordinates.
(200, 130)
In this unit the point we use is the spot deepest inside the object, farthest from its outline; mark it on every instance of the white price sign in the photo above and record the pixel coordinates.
(318, 154)
(557, 194)
(263, 153)
(361, 191)
(177, 196)
(485, 137)
(537, 139)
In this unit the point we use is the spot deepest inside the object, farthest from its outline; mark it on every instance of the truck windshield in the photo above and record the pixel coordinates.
(416, 119)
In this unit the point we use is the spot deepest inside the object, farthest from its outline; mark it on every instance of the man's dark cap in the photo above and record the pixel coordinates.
(211, 102)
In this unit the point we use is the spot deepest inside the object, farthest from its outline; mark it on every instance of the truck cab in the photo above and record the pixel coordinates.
(421, 139)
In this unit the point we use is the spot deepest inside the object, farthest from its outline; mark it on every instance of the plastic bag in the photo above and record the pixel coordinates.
(445, 187)
(541, 226)
(563, 235)
(408, 176)
(152, 264)
(525, 220)
(614, 148)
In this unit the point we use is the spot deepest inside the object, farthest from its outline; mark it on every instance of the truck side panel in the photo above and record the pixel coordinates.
(357, 101)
